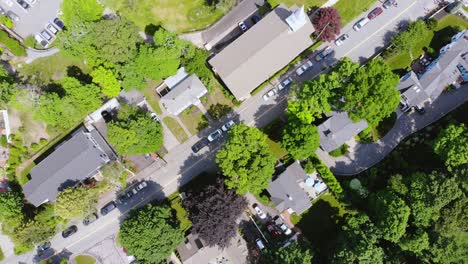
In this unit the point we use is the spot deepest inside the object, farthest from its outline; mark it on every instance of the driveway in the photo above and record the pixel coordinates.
(365, 156)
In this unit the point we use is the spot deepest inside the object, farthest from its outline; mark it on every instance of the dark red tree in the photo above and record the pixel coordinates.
(327, 23)
(213, 212)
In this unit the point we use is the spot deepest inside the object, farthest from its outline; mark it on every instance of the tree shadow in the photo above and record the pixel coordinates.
(77, 73)
(249, 233)
(54, 88)
(442, 37)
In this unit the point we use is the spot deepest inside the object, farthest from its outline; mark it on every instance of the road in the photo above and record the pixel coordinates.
(183, 164)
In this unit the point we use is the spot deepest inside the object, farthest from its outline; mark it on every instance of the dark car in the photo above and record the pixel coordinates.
(59, 23)
(90, 218)
(42, 248)
(23, 4)
(420, 110)
(387, 4)
(69, 231)
(199, 145)
(255, 19)
(375, 13)
(125, 197)
(452, 8)
(273, 230)
(108, 207)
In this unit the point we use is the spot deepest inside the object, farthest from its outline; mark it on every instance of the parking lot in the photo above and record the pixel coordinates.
(33, 20)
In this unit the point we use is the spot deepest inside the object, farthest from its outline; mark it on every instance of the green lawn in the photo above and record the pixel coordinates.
(342, 150)
(276, 149)
(175, 128)
(306, 3)
(152, 98)
(349, 10)
(84, 259)
(194, 120)
(175, 15)
(216, 97)
(435, 40)
(181, 213)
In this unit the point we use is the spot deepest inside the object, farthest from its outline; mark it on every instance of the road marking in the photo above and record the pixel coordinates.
(380, 29)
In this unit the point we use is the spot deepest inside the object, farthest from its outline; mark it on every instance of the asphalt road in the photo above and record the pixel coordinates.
(183, 164)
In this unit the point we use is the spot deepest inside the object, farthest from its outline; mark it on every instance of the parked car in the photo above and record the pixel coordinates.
(141, 186)
(420, 109)
(59, 23)
(387, 4)
(242, 26)
(51, 28)
(23, 4)
(2, 11)
(13, 16)
(215, 135)
(453, 7)
(339, 41)
(255, 19)
(361, 23)
(46, 35)
(286, 230)
(40, 39)
(304, 67)
(108, 207)
(155, 117)
(42, 248)
(259, 212)
(259, 243)
(269, 94)
(90, 219)
(273, 230)
(375, 13)
(228, 125)
(324, 54)
(125, 197)
(199, 145)
(285, 83)
(32, 2)
(405, 108)
(69, 231)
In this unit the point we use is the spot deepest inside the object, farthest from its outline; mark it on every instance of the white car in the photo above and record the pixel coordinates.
(242, 26)
(259, 212)
(361, 23)
(285, 83)
(155, 117)
(324, 54)
(228, 125)
(259, 244)
(215, 135)
(286, 230)
(52, 29)
(39, 39)
(304, 67)
(339, 41)
(269, 94)
(46, 35)
(141, 186)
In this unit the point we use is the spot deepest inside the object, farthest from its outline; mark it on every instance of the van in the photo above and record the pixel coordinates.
(361, 23)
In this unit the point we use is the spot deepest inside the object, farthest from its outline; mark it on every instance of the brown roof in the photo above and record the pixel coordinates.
(260, 52)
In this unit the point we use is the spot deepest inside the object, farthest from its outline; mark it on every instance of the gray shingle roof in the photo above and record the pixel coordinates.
(338, 129)
(185, 93)
(76, 159)
(260, 52)
(285, 190)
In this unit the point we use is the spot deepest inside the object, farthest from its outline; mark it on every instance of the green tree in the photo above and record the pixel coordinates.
(151, 233)
(33, 232)
(454, 218)
(134, 132)
(76, 202)
(11, 208)
(74, 103)
(292, 254)
(448, 249)
(390, 214)
(5, 20)
(107, 79)
(78, 11)
(415, 242)
(406, 41)
(246, 160)
(299, 139)
(371, 93)
(452, 145)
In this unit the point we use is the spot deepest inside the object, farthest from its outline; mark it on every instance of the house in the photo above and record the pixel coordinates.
(450, 67)
(294, 189)
(181, 91)
(76, 158)
(194, 251)
(338, 129)
(263, 50)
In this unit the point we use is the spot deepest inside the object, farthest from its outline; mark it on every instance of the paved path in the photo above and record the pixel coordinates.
(365, 156)
(35, 54)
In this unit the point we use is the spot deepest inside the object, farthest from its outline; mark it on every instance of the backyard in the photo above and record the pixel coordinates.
(435, 40)
(178, 16)
(274, 133)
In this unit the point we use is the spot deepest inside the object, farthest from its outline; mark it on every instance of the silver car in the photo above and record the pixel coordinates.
(215, 135)
(46, 35)
(339, 41)
(52, 29)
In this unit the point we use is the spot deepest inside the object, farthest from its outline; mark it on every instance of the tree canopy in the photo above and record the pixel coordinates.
(33, 232)
(407, 40)
(107, 80)
(246, 160)
(452, 145)
(299, 139)
(327, 23)
(79, 11)
(11, 208)
(151, 233)
(292, 254)
(76, 202)
(134, 132)
(214, 212)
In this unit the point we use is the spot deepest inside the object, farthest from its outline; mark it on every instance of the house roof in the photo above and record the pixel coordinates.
(177, 78)
(285, 190)
(185, 93)
(77, 158)
(193, 251)
(262, 51)
(338, 129)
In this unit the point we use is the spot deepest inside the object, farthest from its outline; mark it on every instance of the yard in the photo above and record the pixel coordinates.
(216, 97)
(178, 16)
(175, 128)
(435, 40)
(84, 259)
(193, 119)
(274, 133)
(306, 3)
(181, 214)
(152, 98)
(349, 10)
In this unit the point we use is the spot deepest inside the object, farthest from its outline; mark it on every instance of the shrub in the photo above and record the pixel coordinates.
(12, 44)
(328, 177)
(432, 23)
(3, 141)
(342, 150)
(6, 21)
(29, 41)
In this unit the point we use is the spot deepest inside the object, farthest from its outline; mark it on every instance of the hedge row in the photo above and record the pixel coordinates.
(12, 44)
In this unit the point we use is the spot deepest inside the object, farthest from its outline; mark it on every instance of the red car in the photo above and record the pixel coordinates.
(375, 13)
(273, 231)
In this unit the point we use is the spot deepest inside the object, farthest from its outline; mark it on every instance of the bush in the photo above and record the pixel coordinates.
(1, 254)
(12, 44)
(342, 150)
(432, 23)
(29, 41)
(3, 141)
(6, 21)
(23, 248)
